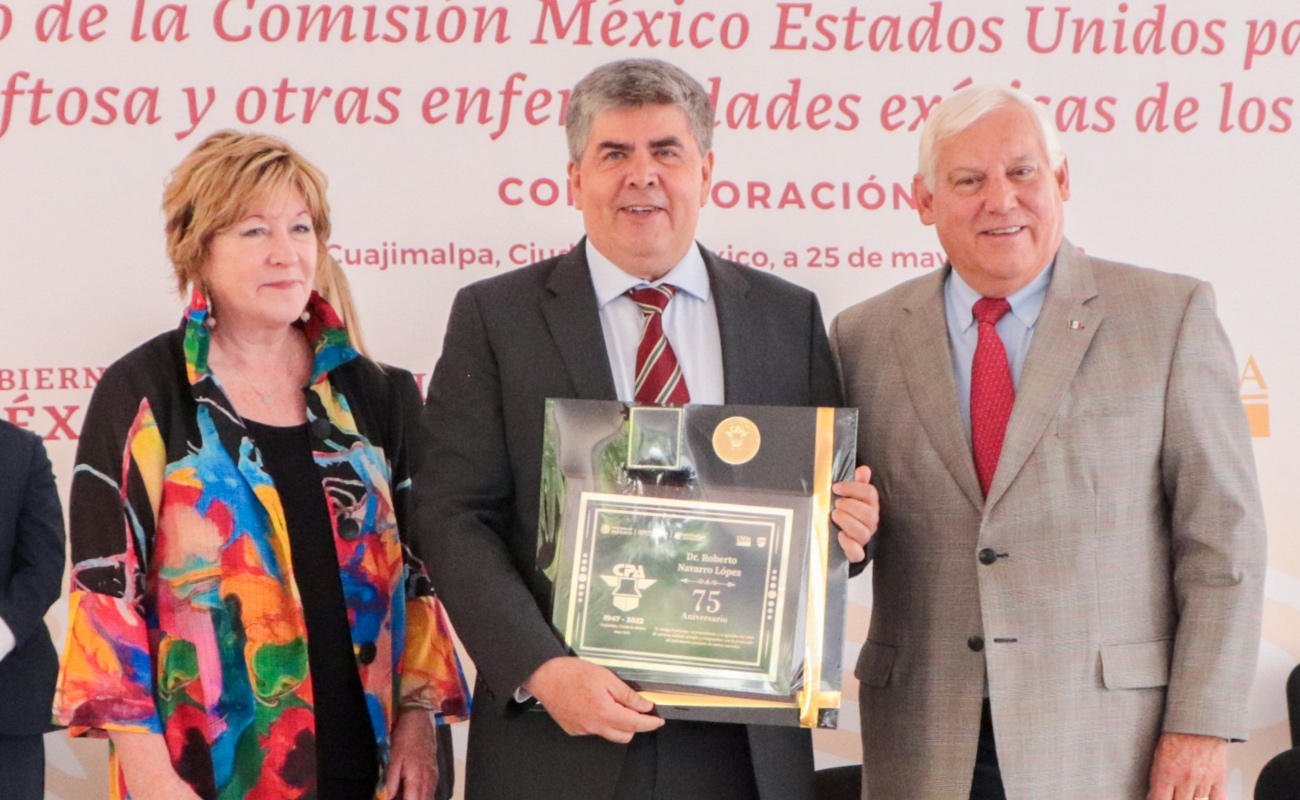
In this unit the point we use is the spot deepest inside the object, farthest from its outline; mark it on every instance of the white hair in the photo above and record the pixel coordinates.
(964, 108)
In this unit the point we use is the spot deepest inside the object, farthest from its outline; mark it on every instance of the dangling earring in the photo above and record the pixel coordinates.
(210, 321)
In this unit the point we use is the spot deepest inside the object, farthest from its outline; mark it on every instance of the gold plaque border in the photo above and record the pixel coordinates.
(811, 698)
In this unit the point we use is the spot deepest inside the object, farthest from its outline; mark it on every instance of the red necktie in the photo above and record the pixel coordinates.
(659, 377)
(991, 391)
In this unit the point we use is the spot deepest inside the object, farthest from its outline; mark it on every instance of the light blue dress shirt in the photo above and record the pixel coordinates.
(1016, 329)
(690, 323)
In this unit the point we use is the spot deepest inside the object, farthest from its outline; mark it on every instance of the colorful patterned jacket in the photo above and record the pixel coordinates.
(185, 618)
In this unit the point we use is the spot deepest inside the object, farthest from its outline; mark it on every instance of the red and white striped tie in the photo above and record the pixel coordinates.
(659, 377)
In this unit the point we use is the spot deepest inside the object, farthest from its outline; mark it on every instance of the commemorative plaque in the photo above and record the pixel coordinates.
(691, 551)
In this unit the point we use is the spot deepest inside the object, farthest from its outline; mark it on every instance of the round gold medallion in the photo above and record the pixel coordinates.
(736, 440)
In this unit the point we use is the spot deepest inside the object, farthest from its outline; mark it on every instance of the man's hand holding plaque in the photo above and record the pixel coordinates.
(857, 512)
(586, 699)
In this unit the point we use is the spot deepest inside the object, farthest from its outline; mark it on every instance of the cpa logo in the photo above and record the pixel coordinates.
(736, 435)
(627, 581)
(736, 440)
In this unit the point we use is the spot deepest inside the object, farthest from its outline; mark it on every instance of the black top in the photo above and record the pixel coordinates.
(345, 741)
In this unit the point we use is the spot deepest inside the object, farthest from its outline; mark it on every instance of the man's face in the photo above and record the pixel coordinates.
(640, 184)
(996, 204)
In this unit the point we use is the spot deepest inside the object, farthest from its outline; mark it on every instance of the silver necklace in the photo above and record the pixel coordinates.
(267, 398)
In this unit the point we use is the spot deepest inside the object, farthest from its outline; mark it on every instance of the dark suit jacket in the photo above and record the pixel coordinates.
(511, 342)
(31, 569)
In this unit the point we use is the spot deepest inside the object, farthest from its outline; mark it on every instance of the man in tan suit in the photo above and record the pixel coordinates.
(1069, 563)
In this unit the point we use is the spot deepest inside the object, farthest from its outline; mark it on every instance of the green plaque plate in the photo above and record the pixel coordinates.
(686, 588)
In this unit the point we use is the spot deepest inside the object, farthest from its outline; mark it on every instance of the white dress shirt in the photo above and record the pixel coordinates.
(690, 323)
(6, 640)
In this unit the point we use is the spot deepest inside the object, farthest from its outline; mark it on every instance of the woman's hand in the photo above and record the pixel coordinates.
(413, 759)
(147, 767)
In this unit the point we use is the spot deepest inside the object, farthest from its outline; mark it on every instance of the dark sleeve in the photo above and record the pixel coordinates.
(465, 495)
(404, 408)
(34, 581)
(431, 675)
(116, 487)
(823, 379)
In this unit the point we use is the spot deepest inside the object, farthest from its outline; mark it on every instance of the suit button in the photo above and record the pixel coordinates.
(349, 530)
(320, 427)
(975, 643)
(987, 556)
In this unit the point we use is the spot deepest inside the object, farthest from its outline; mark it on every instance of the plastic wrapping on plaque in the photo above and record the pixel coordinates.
(690, 550)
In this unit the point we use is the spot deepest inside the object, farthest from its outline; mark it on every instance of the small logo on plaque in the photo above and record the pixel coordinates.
(744, 541)
(628, 581)
(736, 440)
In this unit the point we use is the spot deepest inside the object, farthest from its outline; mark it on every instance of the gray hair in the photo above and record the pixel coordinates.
(633, 83)
(964, 108)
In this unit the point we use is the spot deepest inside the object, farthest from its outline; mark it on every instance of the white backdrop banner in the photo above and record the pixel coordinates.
(440, 125)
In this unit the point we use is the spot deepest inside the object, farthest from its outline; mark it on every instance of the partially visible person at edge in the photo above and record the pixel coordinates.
(245, 618)
(31, 567)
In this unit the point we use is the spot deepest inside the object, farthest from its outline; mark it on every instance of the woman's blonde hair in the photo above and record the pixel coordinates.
(216, 186)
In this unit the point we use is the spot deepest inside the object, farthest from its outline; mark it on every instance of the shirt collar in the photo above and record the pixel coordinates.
(1025, 304)
(690, 275)
(322, 326)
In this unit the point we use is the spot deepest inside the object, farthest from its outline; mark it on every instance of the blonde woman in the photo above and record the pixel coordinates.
(246, 618)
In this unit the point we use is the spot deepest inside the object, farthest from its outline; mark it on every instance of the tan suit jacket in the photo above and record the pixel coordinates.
(1125, 589)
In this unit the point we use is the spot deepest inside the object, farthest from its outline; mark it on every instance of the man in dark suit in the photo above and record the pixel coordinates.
(638, 311)
(31, 566)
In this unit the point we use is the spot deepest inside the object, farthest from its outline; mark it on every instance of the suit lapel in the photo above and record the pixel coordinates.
(738, 327)
(574, 321)
(1064, 331)
(921, 340)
